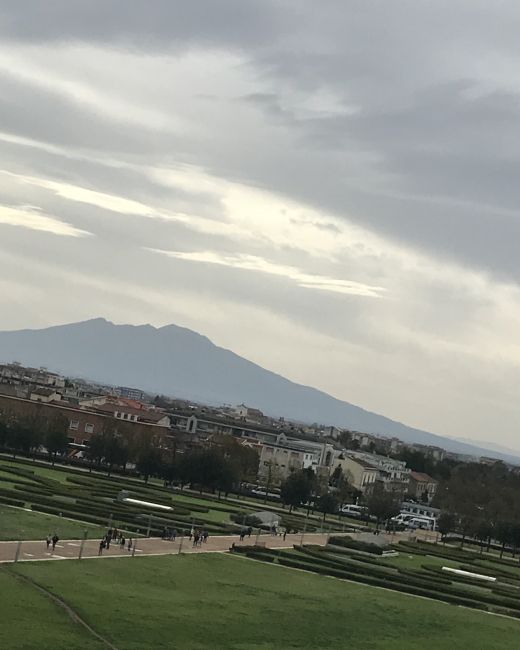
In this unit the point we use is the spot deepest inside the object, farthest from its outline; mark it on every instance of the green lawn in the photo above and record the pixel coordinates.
(46, 472)
(31, 620)
(224, 602)
(16, 523)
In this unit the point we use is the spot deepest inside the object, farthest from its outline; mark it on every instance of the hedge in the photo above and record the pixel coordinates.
(11, 502)
(381, 582)
(367, 547)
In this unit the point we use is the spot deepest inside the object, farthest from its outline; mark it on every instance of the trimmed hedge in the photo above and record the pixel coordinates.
(358, 545)
(11, 502)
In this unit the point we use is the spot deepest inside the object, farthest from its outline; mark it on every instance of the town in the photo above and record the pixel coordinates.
(78, 422)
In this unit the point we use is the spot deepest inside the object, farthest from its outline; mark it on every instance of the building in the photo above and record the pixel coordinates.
(15, 373)
(365, 469)
(45, 395)
(361, 474)
(129, 393)
(422, 487)
(248, 413)
(83, 422)
(277, 462)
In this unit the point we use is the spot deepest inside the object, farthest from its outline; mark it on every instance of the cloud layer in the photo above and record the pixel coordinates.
(331, 193)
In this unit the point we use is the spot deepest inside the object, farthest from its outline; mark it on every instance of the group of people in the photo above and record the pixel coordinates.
(198, 536)
(52, 540)
(275, 532)
(169, 533)
(115, 536)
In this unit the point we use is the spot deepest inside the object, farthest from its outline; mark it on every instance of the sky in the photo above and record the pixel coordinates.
(328, 189)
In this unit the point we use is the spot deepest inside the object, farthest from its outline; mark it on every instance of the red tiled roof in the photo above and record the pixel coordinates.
(420, 477)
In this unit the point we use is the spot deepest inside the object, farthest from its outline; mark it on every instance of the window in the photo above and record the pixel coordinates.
(70, 439)
(74, 424)
(89, 428)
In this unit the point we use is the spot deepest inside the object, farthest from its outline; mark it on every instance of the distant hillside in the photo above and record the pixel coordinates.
(177, 361)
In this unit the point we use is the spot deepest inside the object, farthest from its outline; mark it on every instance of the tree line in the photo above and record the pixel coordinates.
(223, 465)
(481, 502)
(25, 435)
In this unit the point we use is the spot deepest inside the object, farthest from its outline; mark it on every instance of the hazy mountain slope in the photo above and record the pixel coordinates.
(176, 361)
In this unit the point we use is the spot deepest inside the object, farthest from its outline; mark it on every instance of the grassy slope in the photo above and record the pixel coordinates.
(31, 620)
(216, 601)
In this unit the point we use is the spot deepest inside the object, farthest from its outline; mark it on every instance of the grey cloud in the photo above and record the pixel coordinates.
(142, 23)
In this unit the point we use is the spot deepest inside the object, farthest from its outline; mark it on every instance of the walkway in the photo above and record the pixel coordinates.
(70, 549)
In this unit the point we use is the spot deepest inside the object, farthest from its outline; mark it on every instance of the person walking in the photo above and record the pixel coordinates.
(196, 538)
(205, 535)
(55, 540)
(173, 535)
(101, 546)
(129, 547)
(192, 533)
(122, 541)
(48, 540)
(284, 534)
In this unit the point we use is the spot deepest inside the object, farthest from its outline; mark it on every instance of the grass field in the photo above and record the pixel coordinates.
(225, 602)
(22, 524)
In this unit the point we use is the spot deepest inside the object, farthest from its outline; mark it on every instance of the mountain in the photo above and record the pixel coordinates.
(176, 361)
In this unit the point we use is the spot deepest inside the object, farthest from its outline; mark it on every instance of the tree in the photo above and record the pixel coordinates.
(327, 504)
(95, 449)
(383, 505)
(115, 450)
(56, 439)
(336, 476)
(446, 524)
(149, 462)
(296, 489)
(244, 459)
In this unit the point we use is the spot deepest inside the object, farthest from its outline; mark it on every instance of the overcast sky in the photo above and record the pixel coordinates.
(328, 189)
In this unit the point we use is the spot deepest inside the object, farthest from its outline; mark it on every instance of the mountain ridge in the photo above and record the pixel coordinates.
(178, 361)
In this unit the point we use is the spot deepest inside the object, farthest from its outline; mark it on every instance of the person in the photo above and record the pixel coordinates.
(164, 534)
(249, 531)
(242, 534)
(196, 538)
(284, 534)
(173, 534)
(108, 538)
(101, 546)
(55, 540)
(48, 541)
(205, 535)
(122, 541)
(192, 532)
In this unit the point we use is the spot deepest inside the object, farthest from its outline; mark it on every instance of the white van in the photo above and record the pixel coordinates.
(402, 518)
(351, 510)
(424, 523)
